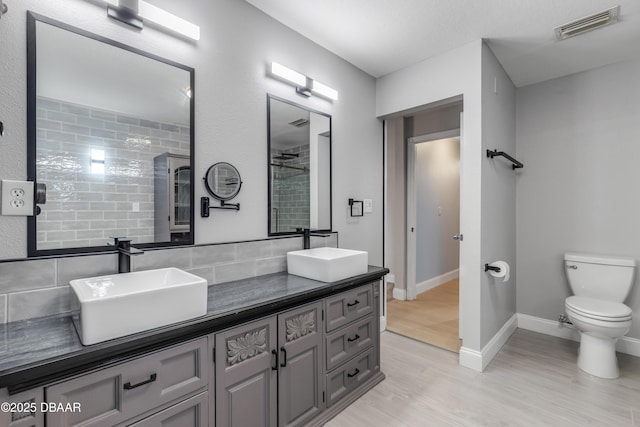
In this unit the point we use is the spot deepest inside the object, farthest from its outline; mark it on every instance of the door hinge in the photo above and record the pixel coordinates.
(169, 218)
(169, 171)
(322, 314)
(214, 355)
(323, 397)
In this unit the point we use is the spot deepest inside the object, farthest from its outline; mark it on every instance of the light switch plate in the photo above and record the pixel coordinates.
(17, 197)
(368, 205)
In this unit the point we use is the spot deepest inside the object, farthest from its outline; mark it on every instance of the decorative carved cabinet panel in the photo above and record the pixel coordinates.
(246, 375)
(300, 383)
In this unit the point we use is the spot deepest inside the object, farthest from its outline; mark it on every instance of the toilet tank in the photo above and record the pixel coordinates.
(600, 276)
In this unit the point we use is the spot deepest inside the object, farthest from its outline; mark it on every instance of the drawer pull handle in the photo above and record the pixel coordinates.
(356, 338)
(356, 372)
(356, 302)
(274, 366)
(284, 357)
(129, 386)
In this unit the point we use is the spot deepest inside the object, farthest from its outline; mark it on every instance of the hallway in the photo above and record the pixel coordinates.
(431, 318)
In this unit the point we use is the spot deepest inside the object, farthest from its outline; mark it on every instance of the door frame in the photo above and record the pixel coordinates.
(411, 205)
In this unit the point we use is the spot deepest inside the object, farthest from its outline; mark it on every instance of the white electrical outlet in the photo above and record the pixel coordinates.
(17, 197)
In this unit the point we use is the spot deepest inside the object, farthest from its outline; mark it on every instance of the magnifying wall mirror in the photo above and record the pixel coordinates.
(299, 168)
(223, 181)
(110, 133)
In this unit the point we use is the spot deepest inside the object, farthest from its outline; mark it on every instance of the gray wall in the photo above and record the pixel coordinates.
(579, 139)
(231, 84)
(498, 299)
(437, 207)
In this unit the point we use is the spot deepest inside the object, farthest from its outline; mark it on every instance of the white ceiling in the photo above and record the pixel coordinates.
(382, 36)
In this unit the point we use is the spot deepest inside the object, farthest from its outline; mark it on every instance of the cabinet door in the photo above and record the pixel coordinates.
(25, 409)
(188, 413)
(300, 383)
(246, 375)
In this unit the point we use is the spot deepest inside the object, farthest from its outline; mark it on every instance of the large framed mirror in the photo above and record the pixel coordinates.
(299, 155)
(110, 132)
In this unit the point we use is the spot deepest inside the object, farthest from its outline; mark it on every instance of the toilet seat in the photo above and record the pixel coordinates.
(598, 309)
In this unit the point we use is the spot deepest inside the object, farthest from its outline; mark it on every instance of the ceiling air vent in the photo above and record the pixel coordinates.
(600, 19)
(299, 123)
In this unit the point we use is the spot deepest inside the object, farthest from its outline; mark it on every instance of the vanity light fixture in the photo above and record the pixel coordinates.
(305, 86)
(324, 90)
(135, 12)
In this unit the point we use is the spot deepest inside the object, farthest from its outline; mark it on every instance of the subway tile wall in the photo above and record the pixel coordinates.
(290, 195)
(89, 201)
(36, 288)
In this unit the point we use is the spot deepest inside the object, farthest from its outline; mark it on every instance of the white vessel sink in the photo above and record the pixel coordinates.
(327, 264)
(113, 306)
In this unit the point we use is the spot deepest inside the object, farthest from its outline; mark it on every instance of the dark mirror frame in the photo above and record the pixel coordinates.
(269, 175)
(32, 243)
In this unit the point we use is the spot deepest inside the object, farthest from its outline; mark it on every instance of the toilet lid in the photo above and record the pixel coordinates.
(598, 309)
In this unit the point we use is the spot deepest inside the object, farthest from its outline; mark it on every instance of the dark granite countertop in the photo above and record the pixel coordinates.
(39, 351)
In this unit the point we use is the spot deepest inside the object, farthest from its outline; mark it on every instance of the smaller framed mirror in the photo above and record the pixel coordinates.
(222, 181)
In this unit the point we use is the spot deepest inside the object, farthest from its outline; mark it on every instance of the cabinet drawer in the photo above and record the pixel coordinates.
(349, 376)
(24, 410)
(115, 394)
(344, 343)
(348, 306)
(189, 413)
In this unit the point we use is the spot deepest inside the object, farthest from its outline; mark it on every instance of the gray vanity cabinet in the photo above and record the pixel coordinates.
(246, 375)
(270, 372)
(24, 409)
(300, 382)
(126, 392)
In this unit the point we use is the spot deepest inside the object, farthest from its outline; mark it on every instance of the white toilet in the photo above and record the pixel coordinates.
(600, 284)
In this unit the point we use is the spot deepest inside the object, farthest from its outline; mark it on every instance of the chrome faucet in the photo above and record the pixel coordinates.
(125, 252)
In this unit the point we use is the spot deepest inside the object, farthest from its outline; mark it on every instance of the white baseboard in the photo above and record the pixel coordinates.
(383, 323)
(391, 278)
(400, 294)
(436, 281)
(421, 287)
(478, 360)
(625, 345)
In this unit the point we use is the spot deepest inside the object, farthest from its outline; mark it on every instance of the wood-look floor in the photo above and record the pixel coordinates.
(533, 381)
(432, 317)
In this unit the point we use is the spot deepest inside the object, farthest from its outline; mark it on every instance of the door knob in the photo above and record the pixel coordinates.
(458, 237)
